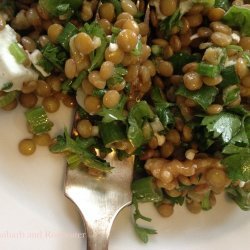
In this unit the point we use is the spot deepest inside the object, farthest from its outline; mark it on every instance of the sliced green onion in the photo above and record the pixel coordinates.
(138, 49)
(66, 86)
(8, 98)
(64, 38)
(156, 50)
(112, 132)
(18, 52)
(145, 190)
(234, 47)
(115, 30)
(38, 120)
(205, 203)
(78, 81)
(209, 70)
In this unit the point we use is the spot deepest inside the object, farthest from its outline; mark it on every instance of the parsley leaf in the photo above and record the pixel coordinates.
(180, 59)
(52, 6)
(114, 114)
(229, 76)
(117, 5)
(230, 94)
(233, 149)
(137, 115)
(224, 4)
(238, 166)
(162, 107)
(55, 55)
(95, 30)
(238, 16)
(118, 76)
(45, 64)
(241, 196)
(247, 126)
(141, 232)
(204, 96)
(145, 190)
(78, 152)
(226, 125)
(169, 22)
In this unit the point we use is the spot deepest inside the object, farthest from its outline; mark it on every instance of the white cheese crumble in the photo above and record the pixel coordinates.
(35, 58)
(10, 70)
(113, 47)
(235, 37)
(156, 125)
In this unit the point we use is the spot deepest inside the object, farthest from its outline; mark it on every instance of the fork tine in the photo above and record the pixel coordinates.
(111, 193)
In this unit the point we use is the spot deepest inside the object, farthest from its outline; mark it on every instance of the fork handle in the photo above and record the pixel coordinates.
(98, 233)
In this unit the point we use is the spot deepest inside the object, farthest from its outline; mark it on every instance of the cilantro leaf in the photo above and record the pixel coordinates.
(204, 96)
(238, 166)
(226, 125)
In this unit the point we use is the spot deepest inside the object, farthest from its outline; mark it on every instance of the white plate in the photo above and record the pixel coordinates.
(34, 214)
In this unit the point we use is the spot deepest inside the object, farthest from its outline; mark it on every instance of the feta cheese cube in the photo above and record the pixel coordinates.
(10, 70)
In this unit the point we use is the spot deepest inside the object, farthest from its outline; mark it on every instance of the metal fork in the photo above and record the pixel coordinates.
(99, 200)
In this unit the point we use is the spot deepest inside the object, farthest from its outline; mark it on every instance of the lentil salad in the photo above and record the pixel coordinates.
(174, 93)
